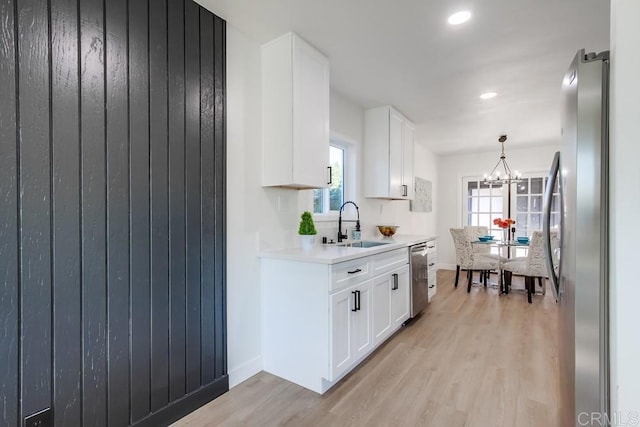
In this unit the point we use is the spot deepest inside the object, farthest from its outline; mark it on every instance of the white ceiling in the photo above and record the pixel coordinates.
(403, 52)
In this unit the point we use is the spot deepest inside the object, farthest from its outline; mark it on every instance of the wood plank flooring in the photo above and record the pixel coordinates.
(475, 359)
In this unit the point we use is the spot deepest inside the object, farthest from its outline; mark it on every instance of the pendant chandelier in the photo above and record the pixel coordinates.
(501, 173)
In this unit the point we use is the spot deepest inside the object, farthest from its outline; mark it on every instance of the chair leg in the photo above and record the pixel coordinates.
(470, 280)
(483, 274)
(507, 281)
(530, 283)
(541, 283)
(457, 275)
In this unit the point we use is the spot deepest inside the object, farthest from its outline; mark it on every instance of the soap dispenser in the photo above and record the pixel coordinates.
(355, 233)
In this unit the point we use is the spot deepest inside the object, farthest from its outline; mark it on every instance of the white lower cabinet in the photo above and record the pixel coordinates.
(381, 308)
(400, 297)
(432, 260)
(320, 321)
(391, 299)
(351, 336)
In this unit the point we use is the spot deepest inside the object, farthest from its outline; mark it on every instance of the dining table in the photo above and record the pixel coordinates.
(502, 244)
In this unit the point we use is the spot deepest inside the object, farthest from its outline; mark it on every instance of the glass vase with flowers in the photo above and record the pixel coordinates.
(505, 224)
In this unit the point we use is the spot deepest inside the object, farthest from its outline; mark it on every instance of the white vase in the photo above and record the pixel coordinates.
(307, 242)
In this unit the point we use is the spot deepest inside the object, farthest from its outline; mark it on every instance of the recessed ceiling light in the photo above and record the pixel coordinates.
(488, 95)
(459, 17)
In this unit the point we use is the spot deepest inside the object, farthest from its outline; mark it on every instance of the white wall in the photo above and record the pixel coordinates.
(625, 205)
(243, 195)
(452, 170)
(262, 218)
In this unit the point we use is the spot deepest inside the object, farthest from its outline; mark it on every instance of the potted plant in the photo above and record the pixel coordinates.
(307, 231)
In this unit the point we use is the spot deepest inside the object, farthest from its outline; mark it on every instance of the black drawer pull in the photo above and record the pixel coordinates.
(432, 286)
(358, 296)
(431, 247)
(432, 264)
(355, 300)
(357, 270)
(395, 282)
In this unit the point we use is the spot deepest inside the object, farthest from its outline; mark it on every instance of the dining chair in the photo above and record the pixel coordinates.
(467, 259)
(533, 265)
(474, 232)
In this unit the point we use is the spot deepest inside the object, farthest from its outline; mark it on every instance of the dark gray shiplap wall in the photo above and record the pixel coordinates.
(112, 216)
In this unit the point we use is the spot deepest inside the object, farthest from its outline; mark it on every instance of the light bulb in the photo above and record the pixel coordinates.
(459, 17)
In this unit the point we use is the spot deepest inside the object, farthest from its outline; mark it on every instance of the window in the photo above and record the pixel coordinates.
(483, 204)
(342, 159)
(529, 205)
(330, 199)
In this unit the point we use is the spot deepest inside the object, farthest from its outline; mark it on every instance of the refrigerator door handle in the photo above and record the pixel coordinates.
(546, 223)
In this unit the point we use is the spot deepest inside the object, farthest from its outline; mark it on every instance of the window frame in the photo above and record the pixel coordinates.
(496, 231)
(349, 179)
(514, 206)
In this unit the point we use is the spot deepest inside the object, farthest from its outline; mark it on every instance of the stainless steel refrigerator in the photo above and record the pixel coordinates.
(579, 268)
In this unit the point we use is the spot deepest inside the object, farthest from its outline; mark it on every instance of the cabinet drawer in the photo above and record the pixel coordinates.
(349, 273)
(432, 292)
(432, 263)
(432, 247)
(388, 261)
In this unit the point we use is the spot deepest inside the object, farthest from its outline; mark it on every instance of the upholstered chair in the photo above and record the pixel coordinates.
(473, 234)
(467, 259)
(533, 265)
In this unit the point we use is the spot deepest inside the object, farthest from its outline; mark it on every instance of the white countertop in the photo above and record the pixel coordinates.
(332, 253)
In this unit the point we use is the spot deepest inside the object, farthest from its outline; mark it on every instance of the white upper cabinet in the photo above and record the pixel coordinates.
(295, 114)
(388, 154)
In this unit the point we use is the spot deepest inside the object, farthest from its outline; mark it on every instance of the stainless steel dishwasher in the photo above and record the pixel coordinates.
(419, 278)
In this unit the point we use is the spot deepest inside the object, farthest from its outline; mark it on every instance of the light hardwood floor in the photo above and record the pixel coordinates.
(476, 359)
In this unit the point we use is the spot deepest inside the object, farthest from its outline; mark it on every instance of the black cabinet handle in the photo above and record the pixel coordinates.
(432, 264)
(432, 286)
(329, 180)
(358, 292)
(431, 247)
(395, 281)
(355, 301)
(404, 190)
(357, 270)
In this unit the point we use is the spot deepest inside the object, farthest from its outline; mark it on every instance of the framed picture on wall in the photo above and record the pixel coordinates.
(423, 200)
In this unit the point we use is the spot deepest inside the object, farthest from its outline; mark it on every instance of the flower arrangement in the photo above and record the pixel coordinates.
(503, 223)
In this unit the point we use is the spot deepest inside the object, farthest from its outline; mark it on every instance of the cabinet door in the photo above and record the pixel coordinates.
(381, 307)
(401, 296)
(407, 159)
(342, 303)
(310, 115)
(396, 124)
(362, 335)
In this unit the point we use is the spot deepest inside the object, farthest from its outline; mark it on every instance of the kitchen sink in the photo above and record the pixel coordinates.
(368, 244)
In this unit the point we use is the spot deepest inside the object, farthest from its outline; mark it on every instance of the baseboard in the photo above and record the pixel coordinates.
(187, 404)
(245, 371)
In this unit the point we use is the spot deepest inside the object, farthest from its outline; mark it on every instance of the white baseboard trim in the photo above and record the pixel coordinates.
(245, 371)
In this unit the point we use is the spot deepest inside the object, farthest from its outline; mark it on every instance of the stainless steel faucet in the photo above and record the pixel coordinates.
(344, 236)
